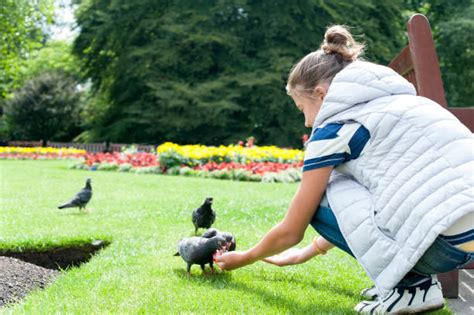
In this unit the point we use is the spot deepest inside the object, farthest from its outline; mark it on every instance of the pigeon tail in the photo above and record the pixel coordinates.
(66, 205)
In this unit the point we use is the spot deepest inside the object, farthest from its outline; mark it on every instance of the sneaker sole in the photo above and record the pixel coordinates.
(428, 306)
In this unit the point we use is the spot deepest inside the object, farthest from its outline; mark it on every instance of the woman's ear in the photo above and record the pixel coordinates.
(320, 91)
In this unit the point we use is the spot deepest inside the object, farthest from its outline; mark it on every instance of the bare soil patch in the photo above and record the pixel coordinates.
(27, 270)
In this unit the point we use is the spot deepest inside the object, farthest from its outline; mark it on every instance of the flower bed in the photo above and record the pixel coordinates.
(137, 159)
(172, 154)
(266, 163)
(237, 162)
(40, 153)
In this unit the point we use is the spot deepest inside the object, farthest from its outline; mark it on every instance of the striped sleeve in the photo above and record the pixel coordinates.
(334, 144)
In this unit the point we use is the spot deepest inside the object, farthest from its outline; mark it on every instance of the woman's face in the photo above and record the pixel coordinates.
(310, 104)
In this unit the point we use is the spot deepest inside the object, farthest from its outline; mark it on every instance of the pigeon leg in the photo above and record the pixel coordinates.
(188, 269)
(195, 230)
(203, 267)
(212, 267)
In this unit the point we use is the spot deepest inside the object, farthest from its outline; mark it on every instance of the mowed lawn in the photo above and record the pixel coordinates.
(144, 216)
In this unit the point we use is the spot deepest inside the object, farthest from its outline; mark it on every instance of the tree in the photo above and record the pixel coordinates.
(21, 31)
(45, 108)
(54, 55)
(452, 24)
(455, 44)
(212, 71)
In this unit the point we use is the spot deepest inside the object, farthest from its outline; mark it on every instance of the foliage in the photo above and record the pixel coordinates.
(455, 45)
(453, 31)
(211, 71)
(46, 108)
(21, 31)
(53, 56)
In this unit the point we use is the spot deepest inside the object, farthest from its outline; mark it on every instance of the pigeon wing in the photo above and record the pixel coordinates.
(188, 248)
(82, 197)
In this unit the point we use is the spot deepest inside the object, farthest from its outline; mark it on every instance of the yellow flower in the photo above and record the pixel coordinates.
(41, 150)
(233, 153)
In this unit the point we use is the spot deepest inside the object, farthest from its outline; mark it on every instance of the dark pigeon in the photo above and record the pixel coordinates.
(200, 250)
(204, 216)
(229, 238)
(81, 198)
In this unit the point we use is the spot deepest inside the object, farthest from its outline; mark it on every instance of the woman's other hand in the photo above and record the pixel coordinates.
(291, 256)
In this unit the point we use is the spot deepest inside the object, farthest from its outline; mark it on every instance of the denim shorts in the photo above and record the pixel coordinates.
(439, 257)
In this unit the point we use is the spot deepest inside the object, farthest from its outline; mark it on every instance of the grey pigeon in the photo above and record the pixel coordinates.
(204, 216)
(81, 198)
(229, 238)
(200, 250)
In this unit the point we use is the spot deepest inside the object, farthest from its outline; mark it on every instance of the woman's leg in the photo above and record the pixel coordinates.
(440, 256)
(420, 290)
(325, 223)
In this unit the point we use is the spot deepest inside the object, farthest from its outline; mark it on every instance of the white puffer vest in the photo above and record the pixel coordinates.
(414, 178)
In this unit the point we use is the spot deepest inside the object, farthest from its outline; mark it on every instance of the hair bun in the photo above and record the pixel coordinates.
(338, 39)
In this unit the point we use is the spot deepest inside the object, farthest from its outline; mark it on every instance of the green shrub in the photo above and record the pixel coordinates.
(105, 166)
(125, 167)
(187, 171)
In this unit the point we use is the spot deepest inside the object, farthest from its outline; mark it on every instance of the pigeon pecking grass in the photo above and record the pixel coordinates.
(204, 216)
(229, 238)
(200, 251)
(81, 199)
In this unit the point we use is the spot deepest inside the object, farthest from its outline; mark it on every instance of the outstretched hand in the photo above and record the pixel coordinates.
(291, 256)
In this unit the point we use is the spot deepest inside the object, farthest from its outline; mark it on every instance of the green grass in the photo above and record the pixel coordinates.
(144, 216)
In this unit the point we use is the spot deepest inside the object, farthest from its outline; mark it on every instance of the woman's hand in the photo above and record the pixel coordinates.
(231, 260)
(291, 256)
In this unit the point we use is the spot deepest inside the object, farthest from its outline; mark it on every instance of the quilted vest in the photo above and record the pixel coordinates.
(414, 178)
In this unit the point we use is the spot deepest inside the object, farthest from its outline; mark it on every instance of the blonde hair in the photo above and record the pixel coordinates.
(336, 51)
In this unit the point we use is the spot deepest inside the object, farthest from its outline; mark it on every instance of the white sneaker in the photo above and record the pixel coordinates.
(421, 297)
(369, 293)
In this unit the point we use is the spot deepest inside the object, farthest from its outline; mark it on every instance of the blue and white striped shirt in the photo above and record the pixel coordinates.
(334, 144)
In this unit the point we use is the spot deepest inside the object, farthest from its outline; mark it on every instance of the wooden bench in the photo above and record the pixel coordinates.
(418, 63)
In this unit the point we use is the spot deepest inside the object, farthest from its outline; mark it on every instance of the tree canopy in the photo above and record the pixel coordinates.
(212, 71)
(22, 25)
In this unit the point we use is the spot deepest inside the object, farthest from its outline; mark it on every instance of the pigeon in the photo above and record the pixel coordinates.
(204, 216)
(81, 198)
(229, 238)
(200, 250)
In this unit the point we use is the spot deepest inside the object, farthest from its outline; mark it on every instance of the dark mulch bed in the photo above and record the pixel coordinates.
(18, 278)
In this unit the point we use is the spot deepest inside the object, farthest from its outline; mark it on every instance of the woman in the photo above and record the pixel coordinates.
(387, 177)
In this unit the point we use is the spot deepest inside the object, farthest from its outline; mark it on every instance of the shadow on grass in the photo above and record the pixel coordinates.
(223, 280)
(317, 285)
(75, 213)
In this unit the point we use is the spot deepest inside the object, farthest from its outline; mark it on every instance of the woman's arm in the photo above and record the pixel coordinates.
(290, 231)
